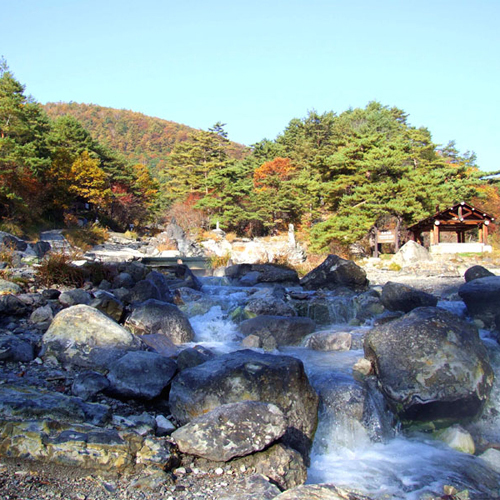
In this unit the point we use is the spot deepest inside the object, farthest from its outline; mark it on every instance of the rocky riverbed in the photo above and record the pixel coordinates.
(96, 380)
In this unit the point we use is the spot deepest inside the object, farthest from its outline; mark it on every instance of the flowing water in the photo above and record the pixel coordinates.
(366, 451)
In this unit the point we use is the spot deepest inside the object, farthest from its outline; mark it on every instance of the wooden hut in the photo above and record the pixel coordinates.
(460, 219)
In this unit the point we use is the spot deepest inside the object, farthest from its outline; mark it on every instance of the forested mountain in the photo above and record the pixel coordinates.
(140, 138)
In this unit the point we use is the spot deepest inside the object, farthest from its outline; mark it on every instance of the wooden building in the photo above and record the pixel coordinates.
(459, 219)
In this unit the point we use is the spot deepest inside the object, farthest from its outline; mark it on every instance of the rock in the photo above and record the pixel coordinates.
(154, 316)
(161, 284)
(431, 365)
(181, 276)
(31, 403)
(476, 272)
(108, 304)
(410, 254)
(252, 341)
(42, 315)
(327, 310)
(320, 492)
(268, 306)
(83, 336)
(9, 287)
(86, 385)
(136, 270)
(41, 248)
(458, 438)
(143, 290)
(15, 349)
(249, 376)
(193, 356)
(282, 465)
(12, 305)
(482, 298)
(329, 341)
(12, 242)
(231, 430)
(251, 274)
(75, 297)
(492, 457)
(335, 273)
(50, 294)
(160, 344)
(140, 375)
(362, 367)
(284, 330)
(254, 487)
(400, 297)
(368, 305)
(163, 426)
(86, 446)
(123, 280)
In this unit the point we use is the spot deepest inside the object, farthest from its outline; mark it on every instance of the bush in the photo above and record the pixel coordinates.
(86, 237)
(57, 269)
(215, 261)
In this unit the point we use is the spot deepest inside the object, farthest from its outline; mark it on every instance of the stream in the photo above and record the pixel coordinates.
(371, 455)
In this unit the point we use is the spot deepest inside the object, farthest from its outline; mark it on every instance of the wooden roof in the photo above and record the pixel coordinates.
(459, 217)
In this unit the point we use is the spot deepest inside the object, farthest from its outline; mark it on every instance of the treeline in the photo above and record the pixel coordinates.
(47, 167)
(139, 138)
(332, 175)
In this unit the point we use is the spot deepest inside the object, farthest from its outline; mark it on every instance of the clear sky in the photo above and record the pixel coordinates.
(257, 64)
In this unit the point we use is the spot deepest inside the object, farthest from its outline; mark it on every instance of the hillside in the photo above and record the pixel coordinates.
(140, 138)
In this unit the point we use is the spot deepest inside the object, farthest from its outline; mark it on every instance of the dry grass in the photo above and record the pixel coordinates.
(215, 261)
(312, 262)
(7, 254)
(57, 269)
(86, 237)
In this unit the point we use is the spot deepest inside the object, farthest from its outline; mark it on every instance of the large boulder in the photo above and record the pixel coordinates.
(476, 272)
(249, 376)
(140, 375)
(411, 254)
(231, 430)
(83, 336)
(335, 273)
(431, 365)
(320, 492)
(401, 297)
(283, 330)
(154, 316)
(482, 298)
(251, 274)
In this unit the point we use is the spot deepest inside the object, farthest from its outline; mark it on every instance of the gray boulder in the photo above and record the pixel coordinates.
(41, 248)
(123, 280)
(161, 283)
(476, 272)
(431, 365)
(283, 330)
(154, 316)
(42, 315)
(320, 492)
(329, 341)
(15, 349)
(411, 254)
(252, 376)
(10, 305)
(83, 336)
(143, 290)
(9, 287)
(75, 297)
(251, 274)
(231, 430)
(193, 356)
(88, 384)
(400, 297)
(108, 304)
(482, 298)
(268, 306)
(335, 273)
(140, 375)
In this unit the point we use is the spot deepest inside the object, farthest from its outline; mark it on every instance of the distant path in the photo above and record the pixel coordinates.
(56, 239)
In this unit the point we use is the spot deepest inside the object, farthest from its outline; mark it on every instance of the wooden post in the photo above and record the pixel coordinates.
(485, 234)
(375, 252)
(396, 236)
(435, 234)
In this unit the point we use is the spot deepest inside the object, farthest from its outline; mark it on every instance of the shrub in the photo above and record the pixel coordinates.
(215, 261)
(86, 237)
(7, 254)
(57, 269)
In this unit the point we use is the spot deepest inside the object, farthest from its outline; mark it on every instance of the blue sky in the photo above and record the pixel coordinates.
(255, 65)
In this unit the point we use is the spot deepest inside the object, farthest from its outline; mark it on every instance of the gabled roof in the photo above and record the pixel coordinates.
(459, 216)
